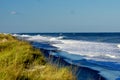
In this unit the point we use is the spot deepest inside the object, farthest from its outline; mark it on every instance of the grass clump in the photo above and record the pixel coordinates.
(20, 61)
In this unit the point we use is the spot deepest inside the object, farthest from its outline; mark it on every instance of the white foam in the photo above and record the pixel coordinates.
(39, 38)
(106, 52)
(118, 45)
(77, 50)
(91, 50)
(56, 39)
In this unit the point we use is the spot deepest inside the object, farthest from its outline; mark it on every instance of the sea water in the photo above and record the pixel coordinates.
(97, 51)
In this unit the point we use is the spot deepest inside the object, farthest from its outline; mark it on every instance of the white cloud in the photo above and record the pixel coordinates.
(13, 12)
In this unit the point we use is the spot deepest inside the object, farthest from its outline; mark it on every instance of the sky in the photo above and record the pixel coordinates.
(59, 16)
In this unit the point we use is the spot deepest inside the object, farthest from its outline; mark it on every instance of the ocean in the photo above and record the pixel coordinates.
(97, 51)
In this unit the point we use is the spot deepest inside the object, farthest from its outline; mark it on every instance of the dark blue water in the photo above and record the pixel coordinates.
(99, 37)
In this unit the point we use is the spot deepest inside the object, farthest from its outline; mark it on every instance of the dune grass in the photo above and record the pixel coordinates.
(20, 61)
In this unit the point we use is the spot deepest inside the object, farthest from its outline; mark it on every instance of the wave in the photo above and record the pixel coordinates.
(118, 45)
(39, 38)
(91, 50)
(56, 38)
(104, 56)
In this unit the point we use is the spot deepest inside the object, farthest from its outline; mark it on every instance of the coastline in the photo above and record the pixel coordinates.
(81, 73)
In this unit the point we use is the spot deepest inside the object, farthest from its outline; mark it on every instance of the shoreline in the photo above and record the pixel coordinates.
(79, 71)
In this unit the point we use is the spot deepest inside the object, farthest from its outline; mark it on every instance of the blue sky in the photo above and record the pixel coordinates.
(59, 15)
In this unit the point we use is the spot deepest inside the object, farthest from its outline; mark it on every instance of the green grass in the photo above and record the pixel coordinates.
(20, 61)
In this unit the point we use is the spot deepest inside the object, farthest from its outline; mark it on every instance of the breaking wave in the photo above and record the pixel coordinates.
(103, 57)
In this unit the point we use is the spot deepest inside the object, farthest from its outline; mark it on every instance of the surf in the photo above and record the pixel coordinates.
(101, 56)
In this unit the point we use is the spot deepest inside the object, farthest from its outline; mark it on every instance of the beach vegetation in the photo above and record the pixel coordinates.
(20, 61)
